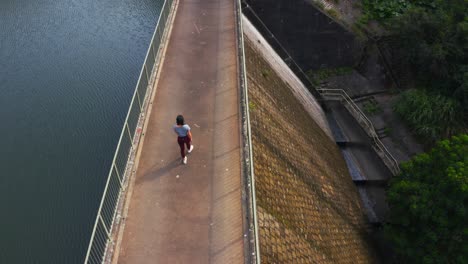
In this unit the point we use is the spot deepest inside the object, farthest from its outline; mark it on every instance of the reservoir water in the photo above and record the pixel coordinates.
(67, 73)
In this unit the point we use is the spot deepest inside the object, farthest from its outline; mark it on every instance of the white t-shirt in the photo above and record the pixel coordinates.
(182, 131)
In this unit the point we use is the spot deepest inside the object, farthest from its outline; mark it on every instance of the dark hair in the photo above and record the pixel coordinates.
(180, 120)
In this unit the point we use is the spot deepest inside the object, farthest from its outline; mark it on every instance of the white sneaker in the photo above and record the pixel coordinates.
(191, 148)
(184, 160)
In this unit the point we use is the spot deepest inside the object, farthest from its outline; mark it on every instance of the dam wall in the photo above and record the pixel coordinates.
(309, 210)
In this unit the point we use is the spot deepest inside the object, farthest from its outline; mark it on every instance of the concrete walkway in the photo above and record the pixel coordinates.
(191, 213)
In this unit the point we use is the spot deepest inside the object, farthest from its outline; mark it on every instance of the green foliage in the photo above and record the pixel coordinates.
(435, 43)
(383, 10)
(388, 131)
(358, 29)
(252, 105)
(326, 73)
(333, 13)
(320, 5)
(362, 21)
(428, 206)
(431, 116)
(372, 107)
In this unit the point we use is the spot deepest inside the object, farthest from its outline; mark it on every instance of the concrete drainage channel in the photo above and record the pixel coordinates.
(354, 170)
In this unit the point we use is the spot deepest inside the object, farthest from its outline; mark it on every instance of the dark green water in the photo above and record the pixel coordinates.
(67, 73)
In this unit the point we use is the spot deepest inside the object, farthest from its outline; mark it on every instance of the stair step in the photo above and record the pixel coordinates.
(363, 98)
(382, 132)
(367, 182)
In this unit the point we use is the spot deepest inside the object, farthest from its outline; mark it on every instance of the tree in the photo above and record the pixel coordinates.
(431, 116)
(428, 205)
(434, 38)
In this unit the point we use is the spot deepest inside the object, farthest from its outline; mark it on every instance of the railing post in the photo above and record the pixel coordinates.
(155, 51)
(105, 228)
(163, 14)
(148, 75)
(159, 36)
(140, 104)
(118, 174)
(129, 134)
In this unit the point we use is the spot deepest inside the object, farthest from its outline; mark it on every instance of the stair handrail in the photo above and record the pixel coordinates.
(368, 126)
(342, 93)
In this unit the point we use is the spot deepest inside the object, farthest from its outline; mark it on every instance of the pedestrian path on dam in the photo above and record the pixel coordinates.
(191, 213)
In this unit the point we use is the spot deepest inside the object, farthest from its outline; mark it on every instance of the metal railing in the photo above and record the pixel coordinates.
(365, 123)
(254, 246)
(358, 114)
(102, 234)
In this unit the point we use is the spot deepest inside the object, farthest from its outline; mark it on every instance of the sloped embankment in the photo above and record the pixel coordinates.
(308, 207)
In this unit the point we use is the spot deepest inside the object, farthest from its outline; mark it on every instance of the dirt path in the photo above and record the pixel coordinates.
(191, 213)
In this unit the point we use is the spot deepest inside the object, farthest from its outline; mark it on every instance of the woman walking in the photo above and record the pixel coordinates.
(184, 137)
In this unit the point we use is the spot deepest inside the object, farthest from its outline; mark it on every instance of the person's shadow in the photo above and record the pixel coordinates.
(154, 173)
